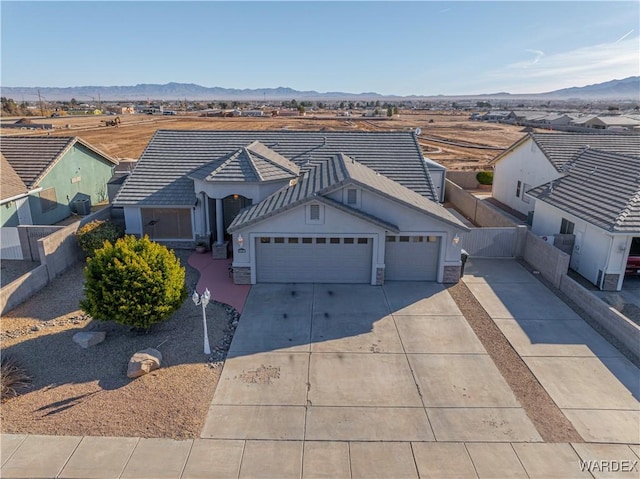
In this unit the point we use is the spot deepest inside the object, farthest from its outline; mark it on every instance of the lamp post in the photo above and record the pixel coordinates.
(203, 300)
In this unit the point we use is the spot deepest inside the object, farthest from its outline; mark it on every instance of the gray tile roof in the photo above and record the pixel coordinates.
(599, 187)
(252, 163)
(560, 148)
(161, 175)
(330, 175)
(10, 183)
(33, 156)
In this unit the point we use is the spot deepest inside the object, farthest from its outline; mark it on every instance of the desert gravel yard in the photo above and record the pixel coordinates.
(79, 391)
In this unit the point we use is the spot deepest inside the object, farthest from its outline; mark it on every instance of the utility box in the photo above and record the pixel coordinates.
(82, 206)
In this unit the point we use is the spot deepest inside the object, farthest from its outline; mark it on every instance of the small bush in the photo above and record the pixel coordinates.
(93, 235)
(485, 177)
(134, 282)
(13, 377)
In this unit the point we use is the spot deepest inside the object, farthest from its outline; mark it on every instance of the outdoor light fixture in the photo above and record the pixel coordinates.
(456, 239)
(235, 197)
(240, 241)
(203, 300)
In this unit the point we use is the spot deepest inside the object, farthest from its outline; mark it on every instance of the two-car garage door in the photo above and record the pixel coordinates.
(313, 260)
(344, 259)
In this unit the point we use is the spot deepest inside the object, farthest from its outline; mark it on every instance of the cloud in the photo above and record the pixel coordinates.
(582, 66)
(538, 55)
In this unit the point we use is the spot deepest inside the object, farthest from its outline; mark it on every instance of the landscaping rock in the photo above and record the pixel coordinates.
(87, 339)
(143, 362)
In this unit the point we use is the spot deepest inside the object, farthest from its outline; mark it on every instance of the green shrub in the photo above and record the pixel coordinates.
(134, 282)
(93, 235)
(485, 177)
(13, 377)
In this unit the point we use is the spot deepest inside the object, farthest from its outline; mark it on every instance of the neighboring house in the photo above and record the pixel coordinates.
(62, 175)
(611, 122)
(296, 206)
(14, 204)
(538, 158)
(598, 201)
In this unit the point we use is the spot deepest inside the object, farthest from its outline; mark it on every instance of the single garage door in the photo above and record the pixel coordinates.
(313, 260)
(411, 258)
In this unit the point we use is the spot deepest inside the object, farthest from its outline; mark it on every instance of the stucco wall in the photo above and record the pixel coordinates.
(594, 250)
(619, 326)
(527, 164)
(478, 211)
(552, 263)
(90, 174)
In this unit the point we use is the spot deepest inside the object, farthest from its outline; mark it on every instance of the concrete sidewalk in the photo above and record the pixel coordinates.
(139, 458)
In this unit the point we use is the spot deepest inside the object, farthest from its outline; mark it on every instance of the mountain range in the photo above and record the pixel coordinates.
(627, 88)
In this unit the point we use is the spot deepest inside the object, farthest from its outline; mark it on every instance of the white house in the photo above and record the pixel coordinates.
(598, 201)
(298, 206)
(538, 158)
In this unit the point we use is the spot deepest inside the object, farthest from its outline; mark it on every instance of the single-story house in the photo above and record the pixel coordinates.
(297, 206)
(597, 200)
(61, 176)
(538, 158)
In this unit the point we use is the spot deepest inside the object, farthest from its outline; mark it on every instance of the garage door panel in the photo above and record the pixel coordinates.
(413, 260)
(313, 262)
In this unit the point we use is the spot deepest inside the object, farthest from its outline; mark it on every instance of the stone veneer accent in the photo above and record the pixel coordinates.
(220, 251)
(610, 282)
(451, 274)
(379, 276)
(242, 274)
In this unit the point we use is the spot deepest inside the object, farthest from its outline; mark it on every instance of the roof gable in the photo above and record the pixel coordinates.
(32, 157)
(335, 173)
(252, 163)
(10, 183)
(599, 187)
(561, 148)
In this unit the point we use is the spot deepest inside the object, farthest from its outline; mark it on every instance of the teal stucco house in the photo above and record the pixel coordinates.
(46, 179)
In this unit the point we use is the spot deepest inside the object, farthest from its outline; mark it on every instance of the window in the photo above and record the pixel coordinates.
(348, 241)
(278, 240)
(321, 240)
(404, 239)
(167, 223)
(391, 239)
(518, 189)
(363, 240)
(566, 227)
(265, 240)
(293, 240)
(307, 240)
(334, 240)
(48, 199)
(432, 239)
(314, 212)
(352, 196)
(418, 239)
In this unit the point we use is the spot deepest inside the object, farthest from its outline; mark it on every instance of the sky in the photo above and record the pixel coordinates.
(391, 48)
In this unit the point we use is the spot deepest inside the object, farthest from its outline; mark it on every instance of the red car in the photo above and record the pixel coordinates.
(633, 263)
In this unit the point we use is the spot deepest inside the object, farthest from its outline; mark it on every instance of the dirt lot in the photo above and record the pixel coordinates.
(130, 138)
(79, 391)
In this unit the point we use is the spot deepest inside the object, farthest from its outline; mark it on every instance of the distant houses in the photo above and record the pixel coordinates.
(576, 122)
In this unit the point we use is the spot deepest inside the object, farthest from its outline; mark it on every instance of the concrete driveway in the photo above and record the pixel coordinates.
(593, 384)
(361, 363)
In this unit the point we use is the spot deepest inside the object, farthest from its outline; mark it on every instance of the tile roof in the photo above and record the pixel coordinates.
(161, 175)
(33, 156)
(560, 148)
(330, 175)
(10, 183)
(252, 163)
(599, 187)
